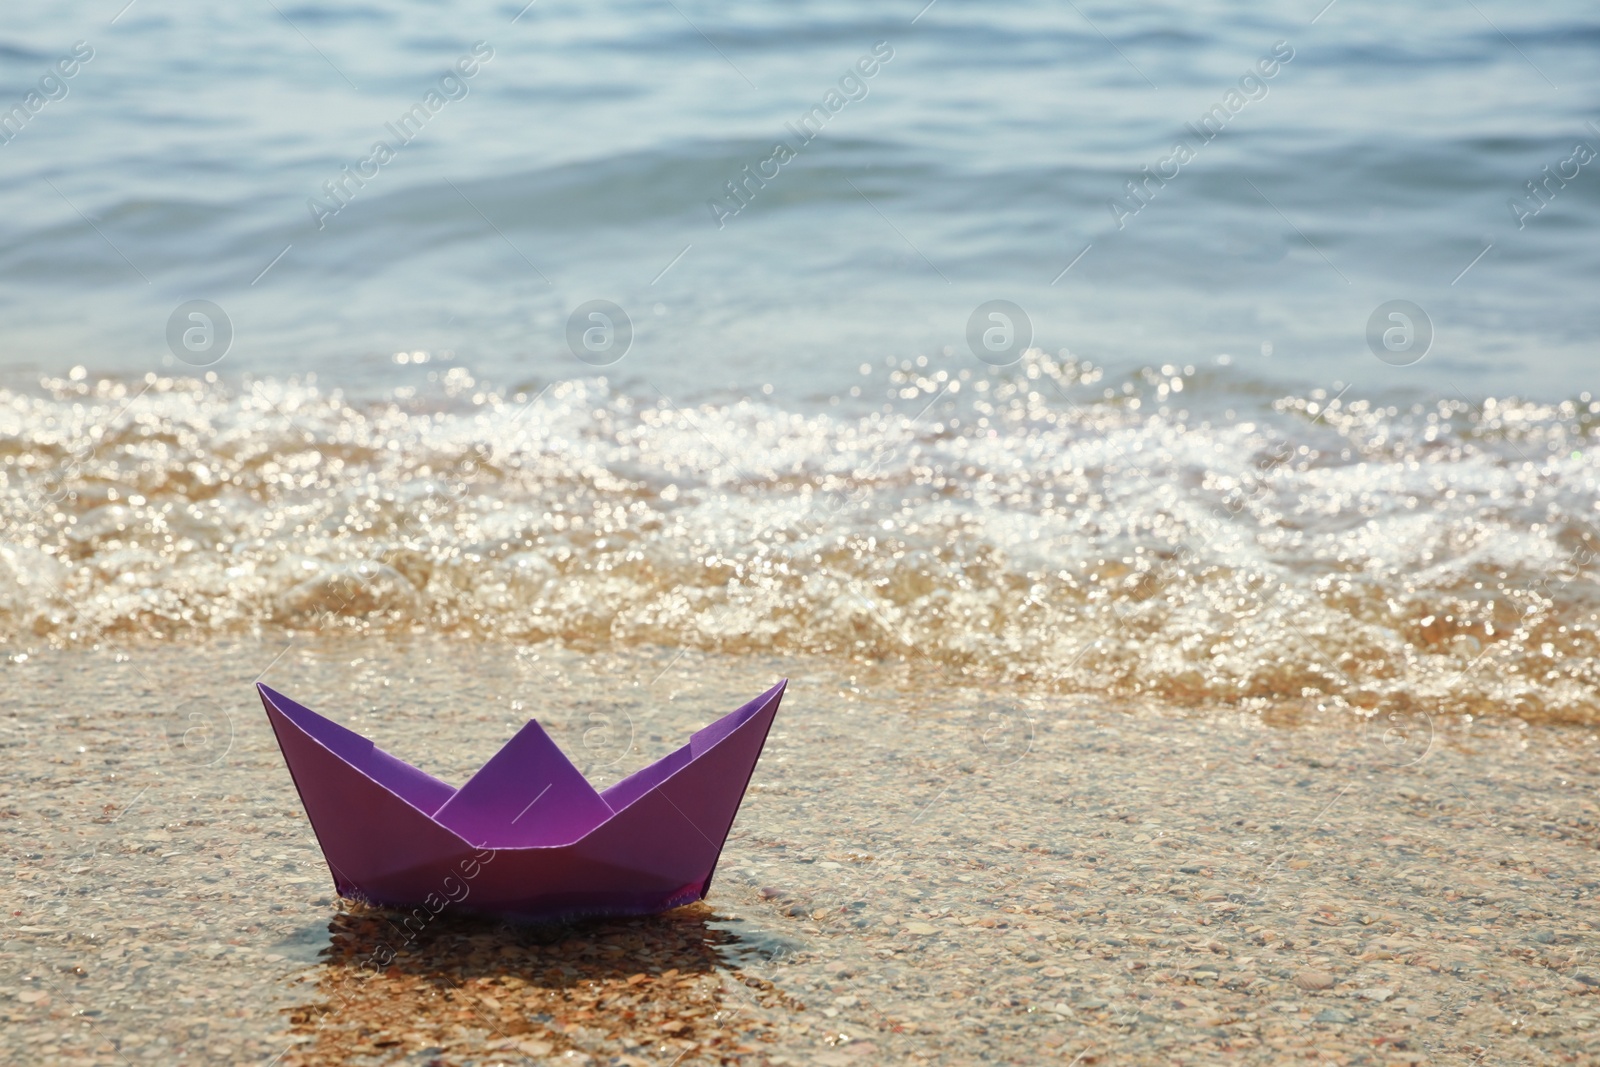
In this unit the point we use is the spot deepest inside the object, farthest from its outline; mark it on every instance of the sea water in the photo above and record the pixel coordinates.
(676, 324)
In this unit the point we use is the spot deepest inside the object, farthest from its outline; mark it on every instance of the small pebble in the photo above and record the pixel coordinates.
(1310, 979)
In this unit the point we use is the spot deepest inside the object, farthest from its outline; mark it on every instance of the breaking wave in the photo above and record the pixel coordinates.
(1039, 527)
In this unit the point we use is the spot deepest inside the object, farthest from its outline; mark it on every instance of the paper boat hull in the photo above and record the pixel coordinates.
(655, 843)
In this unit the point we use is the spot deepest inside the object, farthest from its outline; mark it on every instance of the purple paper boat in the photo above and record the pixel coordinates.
(527, 836)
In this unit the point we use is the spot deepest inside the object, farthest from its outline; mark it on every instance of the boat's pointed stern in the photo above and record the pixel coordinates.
(371, 813)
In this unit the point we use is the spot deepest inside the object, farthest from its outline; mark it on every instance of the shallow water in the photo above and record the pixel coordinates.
(918, 872)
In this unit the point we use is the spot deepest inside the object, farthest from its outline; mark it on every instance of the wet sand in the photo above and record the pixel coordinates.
(920, 872)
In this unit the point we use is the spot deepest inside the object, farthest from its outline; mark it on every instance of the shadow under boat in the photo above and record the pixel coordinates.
(466, 986)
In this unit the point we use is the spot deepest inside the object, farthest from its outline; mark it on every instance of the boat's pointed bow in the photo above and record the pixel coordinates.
(675, 815)
(762, 708)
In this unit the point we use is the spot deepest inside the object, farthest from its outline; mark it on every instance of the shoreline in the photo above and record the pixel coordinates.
(935, 876)
(1197, 543)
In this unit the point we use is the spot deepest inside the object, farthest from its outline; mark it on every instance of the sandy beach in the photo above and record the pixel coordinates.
(1159, 444)
(920, 873)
